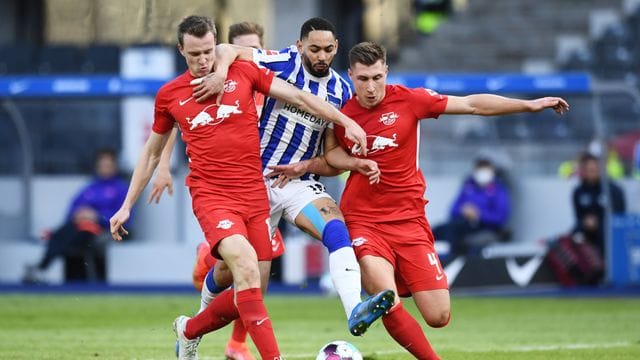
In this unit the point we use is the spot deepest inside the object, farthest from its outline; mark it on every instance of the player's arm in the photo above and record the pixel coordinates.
(284, 91)
(489, 104)
(213, 83)
(338, 158)
(285, 173)
(147, 162)
(317, 165)
(163, 177)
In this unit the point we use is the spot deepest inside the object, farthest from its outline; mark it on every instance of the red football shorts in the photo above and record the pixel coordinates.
(218, 221)
(408, 246)
(205, 261)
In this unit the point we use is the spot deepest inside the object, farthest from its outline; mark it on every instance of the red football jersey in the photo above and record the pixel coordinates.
(223, 143)
(393, 139)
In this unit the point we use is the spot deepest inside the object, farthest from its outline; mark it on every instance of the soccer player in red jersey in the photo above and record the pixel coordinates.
(248, 34)
(391, 236)
(228, 193)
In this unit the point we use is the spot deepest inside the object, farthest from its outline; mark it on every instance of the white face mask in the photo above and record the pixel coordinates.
(483, 176)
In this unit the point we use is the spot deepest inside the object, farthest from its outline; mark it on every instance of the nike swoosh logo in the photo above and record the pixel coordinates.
(522, 275)
(439, 277)
(259, 322)
(347, 269)
(453, 269)
(182, 102)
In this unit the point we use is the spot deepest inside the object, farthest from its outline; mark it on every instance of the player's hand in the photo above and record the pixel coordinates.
(370, 169)
(285, 173)
(356, 134)
(207, 86)
(163, 180)
(117, 224)
(558, 105)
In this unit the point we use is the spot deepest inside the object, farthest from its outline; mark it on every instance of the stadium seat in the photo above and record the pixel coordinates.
(16, 60)
(613, 58)
(59, 59)
(513, 127)
(11, 158)
(102, 59)
(578, 61)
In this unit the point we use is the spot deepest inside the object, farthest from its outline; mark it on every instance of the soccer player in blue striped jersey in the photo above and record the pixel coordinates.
(290, 135)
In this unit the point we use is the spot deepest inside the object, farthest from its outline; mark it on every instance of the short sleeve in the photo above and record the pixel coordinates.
(260, 77)
(277, 61)
(163, 121)
(426, 103)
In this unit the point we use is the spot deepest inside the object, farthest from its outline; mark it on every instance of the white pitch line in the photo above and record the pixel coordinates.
(569, 347)
(531, 348)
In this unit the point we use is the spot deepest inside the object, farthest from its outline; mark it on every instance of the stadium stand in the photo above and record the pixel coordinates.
(101, 59)
(16, 59)
(59, 59)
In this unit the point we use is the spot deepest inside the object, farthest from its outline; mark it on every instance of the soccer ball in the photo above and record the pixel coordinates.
(339, 350)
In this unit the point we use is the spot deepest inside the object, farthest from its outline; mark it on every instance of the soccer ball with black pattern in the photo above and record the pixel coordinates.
(339, 350)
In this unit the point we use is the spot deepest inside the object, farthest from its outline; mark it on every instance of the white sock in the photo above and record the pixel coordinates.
(345, 274)
(206, 296)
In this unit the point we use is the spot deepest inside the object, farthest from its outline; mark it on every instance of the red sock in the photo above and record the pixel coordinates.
(239, 333)
(219, 313)
(407, 332)
(256, 320)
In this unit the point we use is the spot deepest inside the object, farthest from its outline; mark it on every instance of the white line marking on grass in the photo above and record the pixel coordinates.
(308, 355)
(569, 347)
(531, 348)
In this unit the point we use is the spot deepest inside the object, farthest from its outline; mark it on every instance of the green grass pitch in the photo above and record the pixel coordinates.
(106, 326)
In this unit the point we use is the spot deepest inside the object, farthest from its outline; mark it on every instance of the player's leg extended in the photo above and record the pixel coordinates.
(222, 309)
(237, 348)
(323, 220)
(242, 259)
(378, 274)
(434, 306)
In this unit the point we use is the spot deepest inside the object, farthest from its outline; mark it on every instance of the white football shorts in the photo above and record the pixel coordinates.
(289, 201)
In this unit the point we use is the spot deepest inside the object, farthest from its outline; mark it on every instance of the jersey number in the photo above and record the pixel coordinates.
(316, 188)
(433, 260)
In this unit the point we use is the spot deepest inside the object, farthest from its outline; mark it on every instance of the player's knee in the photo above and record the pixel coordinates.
(439, 319)
(246, 273)
(335, 235)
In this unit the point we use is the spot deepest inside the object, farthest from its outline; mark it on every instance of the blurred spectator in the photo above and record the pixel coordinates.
(578, 258)
(479, 214)
(79, 239)
(589, 203)
(615, 166)
(430, 13)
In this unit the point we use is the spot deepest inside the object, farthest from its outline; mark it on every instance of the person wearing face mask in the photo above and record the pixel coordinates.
(480, 212)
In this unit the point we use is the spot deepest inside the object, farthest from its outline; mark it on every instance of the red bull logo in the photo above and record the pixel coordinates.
(379, 143)
(204, 118)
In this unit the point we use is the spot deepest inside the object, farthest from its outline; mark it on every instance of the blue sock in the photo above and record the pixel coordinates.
(335, 235)
(210, 283)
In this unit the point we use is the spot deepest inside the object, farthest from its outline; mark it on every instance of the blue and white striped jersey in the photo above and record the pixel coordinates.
(287, 133)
